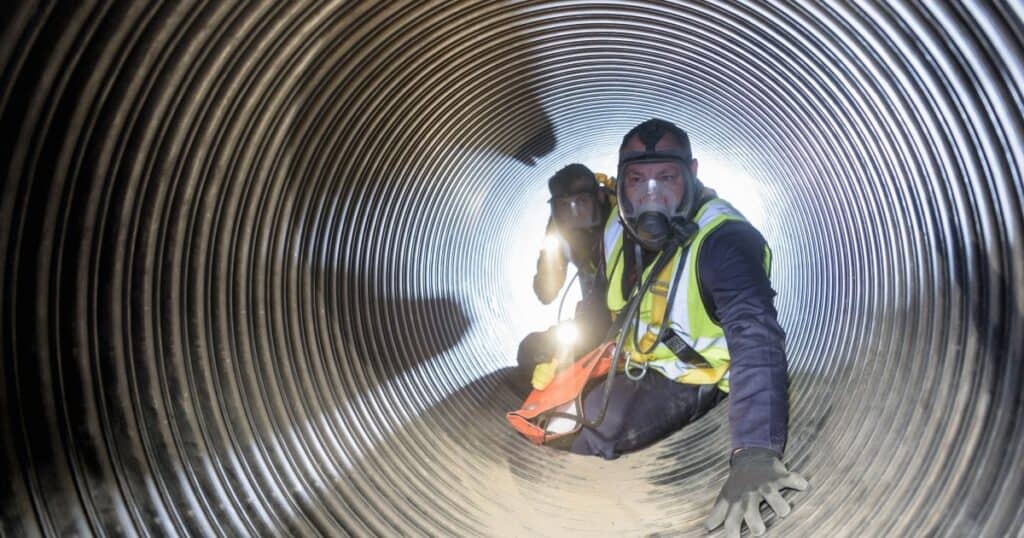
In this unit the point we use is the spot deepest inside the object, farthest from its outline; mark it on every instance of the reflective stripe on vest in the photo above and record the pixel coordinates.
(688, 319)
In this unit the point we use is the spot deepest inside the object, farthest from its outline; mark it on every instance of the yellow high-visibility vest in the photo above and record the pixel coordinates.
(689, 319)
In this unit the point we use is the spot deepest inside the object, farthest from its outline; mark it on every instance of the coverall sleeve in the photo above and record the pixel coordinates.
(550, 276)
(737, 290)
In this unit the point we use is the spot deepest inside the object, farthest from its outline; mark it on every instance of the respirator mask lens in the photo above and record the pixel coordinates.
(660, 194)
(576, 211)
(652, 196)
(652, 202)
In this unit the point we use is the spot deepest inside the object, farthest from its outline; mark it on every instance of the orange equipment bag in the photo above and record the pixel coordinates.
(564, 393)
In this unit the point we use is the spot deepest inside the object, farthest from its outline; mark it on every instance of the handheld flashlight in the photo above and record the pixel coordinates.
(552, 243)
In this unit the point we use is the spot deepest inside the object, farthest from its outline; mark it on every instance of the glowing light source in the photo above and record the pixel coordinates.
(734, 185)
(567, 333)
(552, 243)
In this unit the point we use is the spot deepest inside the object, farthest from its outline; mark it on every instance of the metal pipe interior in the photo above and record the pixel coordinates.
(265, 266)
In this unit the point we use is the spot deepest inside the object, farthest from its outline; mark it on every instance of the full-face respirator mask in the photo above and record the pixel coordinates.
(659, 200)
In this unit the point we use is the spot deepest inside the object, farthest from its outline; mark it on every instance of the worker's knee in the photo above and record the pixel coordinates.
(590, 442)
(605, 439)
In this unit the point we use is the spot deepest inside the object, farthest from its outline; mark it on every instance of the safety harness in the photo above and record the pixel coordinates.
(557, 411)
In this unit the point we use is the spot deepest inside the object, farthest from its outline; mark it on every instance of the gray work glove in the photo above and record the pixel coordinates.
(757, 475)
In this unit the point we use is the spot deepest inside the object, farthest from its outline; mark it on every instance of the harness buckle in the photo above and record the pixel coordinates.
(628, 369)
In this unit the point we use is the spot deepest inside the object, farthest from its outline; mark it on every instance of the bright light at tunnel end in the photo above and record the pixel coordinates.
(734, 185)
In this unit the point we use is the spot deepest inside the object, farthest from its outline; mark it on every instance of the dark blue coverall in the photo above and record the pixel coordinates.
(738, 294)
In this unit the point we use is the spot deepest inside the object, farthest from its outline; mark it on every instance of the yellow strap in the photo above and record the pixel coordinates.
(704, 376)
(659, 292)
(645, 343)
(659, 303)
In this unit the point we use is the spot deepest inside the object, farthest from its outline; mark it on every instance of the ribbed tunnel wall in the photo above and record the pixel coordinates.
(265, 267)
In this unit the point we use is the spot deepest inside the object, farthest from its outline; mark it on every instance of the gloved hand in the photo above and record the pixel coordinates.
(543, 374)
(757, 475)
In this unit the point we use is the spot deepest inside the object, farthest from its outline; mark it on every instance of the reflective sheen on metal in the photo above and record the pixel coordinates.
(265, 266)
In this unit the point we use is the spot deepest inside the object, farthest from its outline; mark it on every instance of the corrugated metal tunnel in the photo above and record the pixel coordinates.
(265, 267)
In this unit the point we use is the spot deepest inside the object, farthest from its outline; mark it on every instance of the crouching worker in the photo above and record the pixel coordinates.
(688, 285)
(580, 206)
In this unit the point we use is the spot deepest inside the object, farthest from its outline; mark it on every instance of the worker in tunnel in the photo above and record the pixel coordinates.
(688, 286)
(581, 204)
(704, 325)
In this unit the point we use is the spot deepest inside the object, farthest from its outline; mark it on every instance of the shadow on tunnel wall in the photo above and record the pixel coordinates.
(987, 373)
(202, 205)
(333, 156)
(154, 353)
